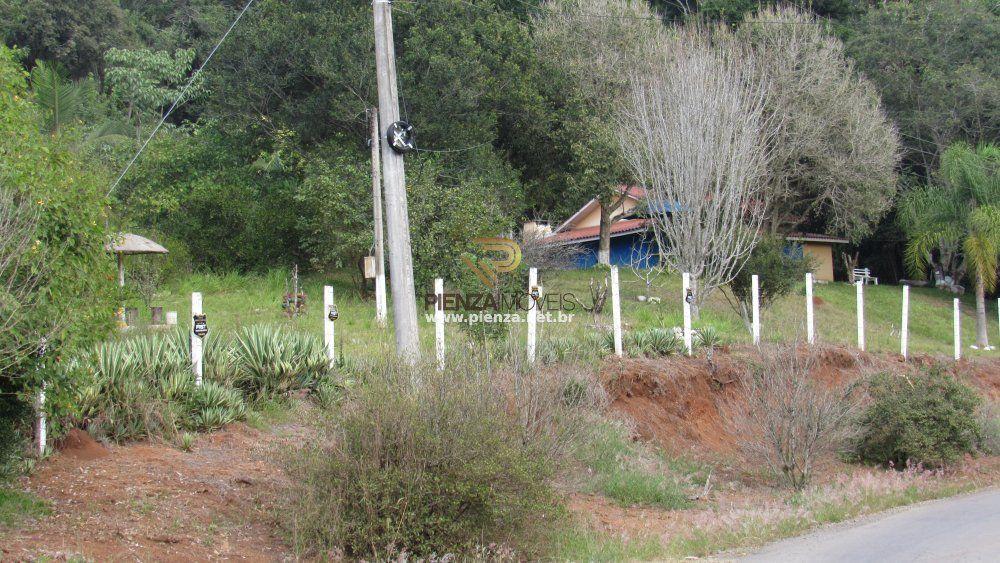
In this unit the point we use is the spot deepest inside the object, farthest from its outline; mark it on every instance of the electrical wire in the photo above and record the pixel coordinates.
(180, 97)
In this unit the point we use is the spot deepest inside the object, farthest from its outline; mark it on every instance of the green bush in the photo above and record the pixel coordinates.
(928, 418)
(779, 270)
(439, 467)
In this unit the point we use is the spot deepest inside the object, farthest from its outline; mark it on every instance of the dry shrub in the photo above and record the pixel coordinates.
(434, 462)
(786, 421)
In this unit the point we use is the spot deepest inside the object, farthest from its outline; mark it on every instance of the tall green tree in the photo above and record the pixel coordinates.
(934, 63)
(962, 208)
(75, 33)
(56, 278)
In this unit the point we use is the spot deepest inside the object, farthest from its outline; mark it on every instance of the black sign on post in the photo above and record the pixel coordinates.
(200, 326)
(400, 137)
(333, 314)
(690, 297)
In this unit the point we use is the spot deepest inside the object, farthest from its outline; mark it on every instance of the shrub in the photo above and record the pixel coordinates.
(267, 361)
(461, 459)
(784, 420)
(928, 418)
(779, 270)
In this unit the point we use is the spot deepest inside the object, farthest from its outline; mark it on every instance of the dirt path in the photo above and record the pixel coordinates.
(155, 502)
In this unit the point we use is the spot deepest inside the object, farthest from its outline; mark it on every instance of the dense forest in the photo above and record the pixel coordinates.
(265, 161)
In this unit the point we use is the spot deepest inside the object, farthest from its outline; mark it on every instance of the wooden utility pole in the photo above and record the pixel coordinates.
(380, 304)
(404, 301)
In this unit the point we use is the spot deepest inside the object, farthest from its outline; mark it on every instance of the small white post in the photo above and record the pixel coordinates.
(380, 298)
(685, 288)
(755, 288)
(329, 329)
(532, 313)
(905, 333)
(616, 310)
(40, 430)
(810, 326)
(439, 321)
(958, 333)
(860, 288)
(196, 342)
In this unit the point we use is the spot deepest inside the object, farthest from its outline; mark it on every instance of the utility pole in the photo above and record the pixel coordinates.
(404, 300)
(380, 304)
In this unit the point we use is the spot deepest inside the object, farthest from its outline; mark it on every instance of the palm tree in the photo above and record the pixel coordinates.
(61, 99)
(961, 208)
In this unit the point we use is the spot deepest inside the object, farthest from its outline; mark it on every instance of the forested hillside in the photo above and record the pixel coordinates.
(265, 162)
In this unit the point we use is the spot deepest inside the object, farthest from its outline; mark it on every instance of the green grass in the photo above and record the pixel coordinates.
(232, 301)
(579, 543)
(16, 506)
(626, 473)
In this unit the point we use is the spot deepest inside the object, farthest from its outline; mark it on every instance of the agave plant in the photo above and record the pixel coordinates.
(267, 361)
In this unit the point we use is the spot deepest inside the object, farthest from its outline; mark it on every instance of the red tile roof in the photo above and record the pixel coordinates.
(593, 233)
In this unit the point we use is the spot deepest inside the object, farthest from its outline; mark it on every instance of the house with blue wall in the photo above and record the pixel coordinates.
(631, 236)
(633, 243)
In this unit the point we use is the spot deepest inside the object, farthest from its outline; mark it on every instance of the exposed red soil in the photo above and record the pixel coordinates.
(151, 501)
(676, 402)
(77, 444)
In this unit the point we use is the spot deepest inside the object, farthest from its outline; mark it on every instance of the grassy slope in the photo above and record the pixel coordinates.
(232, 301)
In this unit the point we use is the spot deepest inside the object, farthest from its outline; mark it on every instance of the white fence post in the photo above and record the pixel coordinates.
(616, 310)
(532, 313)
(329, 329)
(686, 287)
(755, 293)
(439, 321)
(197, 345)
(40, 431)
(905, 333)
(861, 314)
(810, 326)
(958, 332)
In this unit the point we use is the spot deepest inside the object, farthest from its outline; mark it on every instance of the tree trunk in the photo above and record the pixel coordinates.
(982, 340)
(604, 245)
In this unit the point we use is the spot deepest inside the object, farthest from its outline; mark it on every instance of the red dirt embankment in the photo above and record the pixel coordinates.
(153, 502)
(676, 401)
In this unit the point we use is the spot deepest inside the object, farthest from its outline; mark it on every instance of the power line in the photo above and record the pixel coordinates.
(180, 97)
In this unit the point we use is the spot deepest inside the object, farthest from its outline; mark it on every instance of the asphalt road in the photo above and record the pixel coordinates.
(965, 528)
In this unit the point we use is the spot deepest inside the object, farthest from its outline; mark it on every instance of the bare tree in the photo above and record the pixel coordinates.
(694, 131)
(20, 273)
(598, 43)
(643, 263)
(785, 420)
(835, 152)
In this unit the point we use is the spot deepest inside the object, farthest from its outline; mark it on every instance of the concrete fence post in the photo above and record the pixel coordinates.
(329, 328)
(685, 290)
(439, 321)
(616, 310)
(532, 313)
(810, 318)
(197, 344)
(905, 332)
(860, 289)
(755, 296)
(958, 331)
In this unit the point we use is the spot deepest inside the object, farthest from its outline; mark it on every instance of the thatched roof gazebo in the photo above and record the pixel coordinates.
(128, 243)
